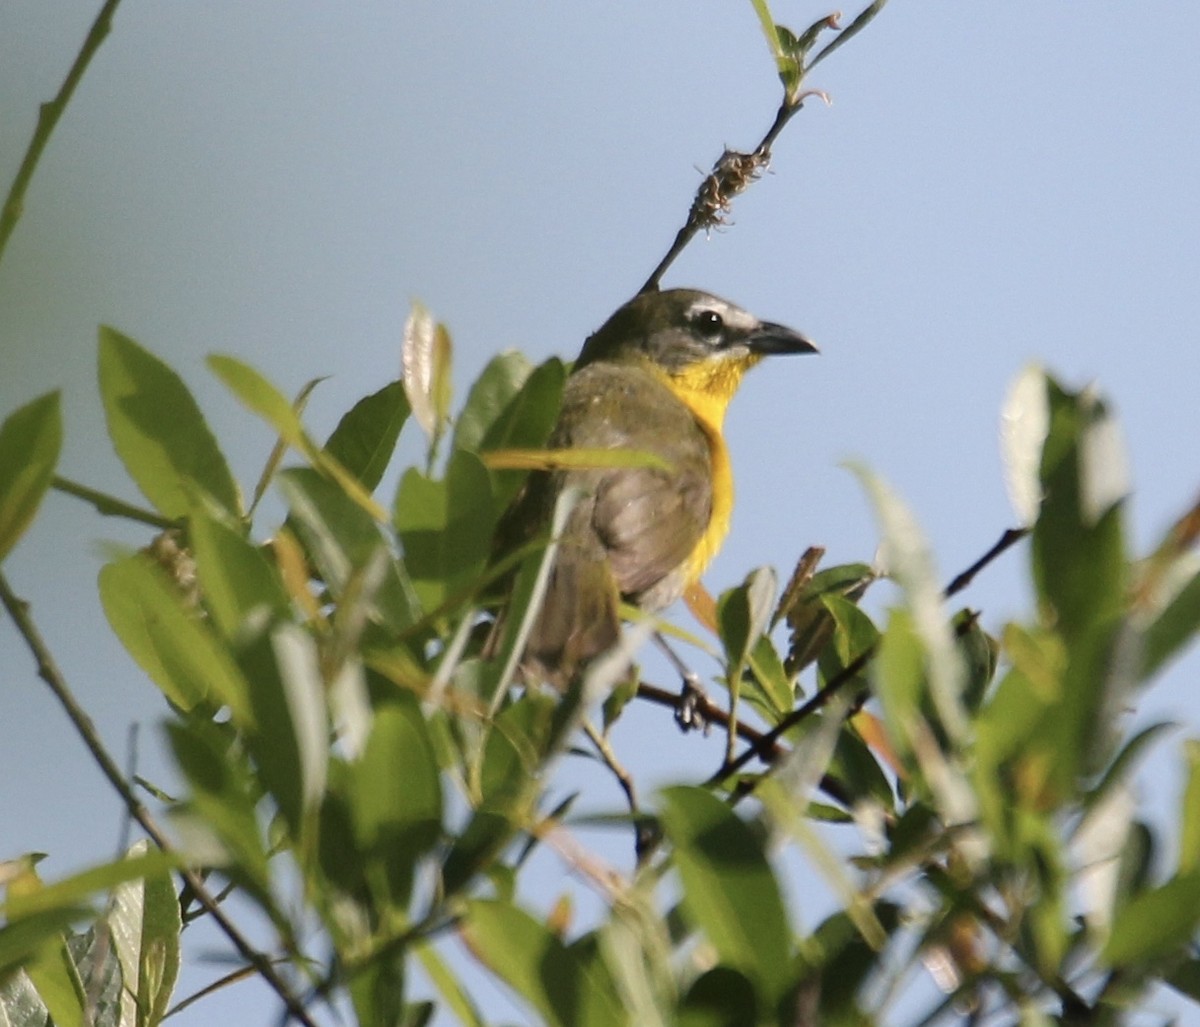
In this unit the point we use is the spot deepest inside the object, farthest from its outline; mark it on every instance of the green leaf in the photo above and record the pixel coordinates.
(365, 438)
(158, 430)
(854, 633)
(291, 742)
(1189, 814)
(145, 925)
(743, 614)
(1155, 924)
(30, 441)
(1078, 545)
(492, 392)
(908, 560)
(73, 891)
(808, 616)
(377, 991)
(720, 997)
(446, 527)
(59, 984)
(170, 642)
(858, 771)
(451, 989)
(475, 849)
(225, 794)
(260, 396)
(729, 889)
(1175, 626)
(514, 749)
(236, 579)
(22, 938)
(564, 985)
(342, 540)
(898, 672)
(397, 795)
(771, 676)
(525, 423)
(1185, 978)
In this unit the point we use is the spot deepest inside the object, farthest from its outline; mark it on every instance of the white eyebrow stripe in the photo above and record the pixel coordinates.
(733, 316)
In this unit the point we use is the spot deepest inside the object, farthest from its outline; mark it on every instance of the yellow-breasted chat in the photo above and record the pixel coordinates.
(656, 378)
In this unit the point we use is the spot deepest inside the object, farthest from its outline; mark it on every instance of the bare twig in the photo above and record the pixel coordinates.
(48, 115)
(734, 170)
(48, 671)
(1010, 538)
(240, 974)
(642, 837)
(731, 175)
(110, 506)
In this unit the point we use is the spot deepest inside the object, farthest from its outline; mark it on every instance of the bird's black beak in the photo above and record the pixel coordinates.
(769, 338)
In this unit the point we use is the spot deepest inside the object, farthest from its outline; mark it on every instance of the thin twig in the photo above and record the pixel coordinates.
(730, 176)
(734, 170)
(48, 115)
(47, 669)
(240, 974)
(110, 506)
(1010, 538)
(641, 835)
(769, 740)
(765, 747)
(768, 750)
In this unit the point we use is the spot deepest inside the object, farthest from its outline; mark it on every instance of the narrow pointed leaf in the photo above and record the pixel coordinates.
(158, 430)
(235, 578)
(260, 396)
(730, 891)
(493, 390)
(365, 438)
(30, 441)
(566, 988)
(145, 925)
(170, 643)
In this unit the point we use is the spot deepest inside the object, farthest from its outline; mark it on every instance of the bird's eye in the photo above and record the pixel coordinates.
(709, 323)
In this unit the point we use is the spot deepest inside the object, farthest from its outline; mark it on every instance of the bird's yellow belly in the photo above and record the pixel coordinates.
(722, 507)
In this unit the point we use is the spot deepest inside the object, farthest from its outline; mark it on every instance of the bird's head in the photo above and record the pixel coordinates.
(702, 343)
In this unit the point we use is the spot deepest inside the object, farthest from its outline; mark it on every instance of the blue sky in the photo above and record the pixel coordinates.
(993, 183)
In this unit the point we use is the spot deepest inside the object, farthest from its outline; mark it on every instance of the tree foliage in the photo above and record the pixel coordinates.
(366, 770)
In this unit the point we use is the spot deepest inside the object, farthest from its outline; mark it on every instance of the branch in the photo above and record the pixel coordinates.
(1010, 538)
(48, 115)
(47, 669)
(766, 746)
(110, 506)
(767, 749)
(734, 170)
(731, 175)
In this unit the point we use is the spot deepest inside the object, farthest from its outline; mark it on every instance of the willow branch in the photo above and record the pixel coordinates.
(48, 116)
(110, 506)
(766, 746)
(48, 671)
(735, 170)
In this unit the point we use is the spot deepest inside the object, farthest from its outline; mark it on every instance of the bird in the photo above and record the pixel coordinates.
(656, 378)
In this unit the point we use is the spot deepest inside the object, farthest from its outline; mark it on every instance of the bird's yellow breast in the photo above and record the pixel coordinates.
(706, 389)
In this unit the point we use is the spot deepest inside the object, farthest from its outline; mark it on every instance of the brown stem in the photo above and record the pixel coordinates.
(48, 115)
(766, 746)
(47, 669)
